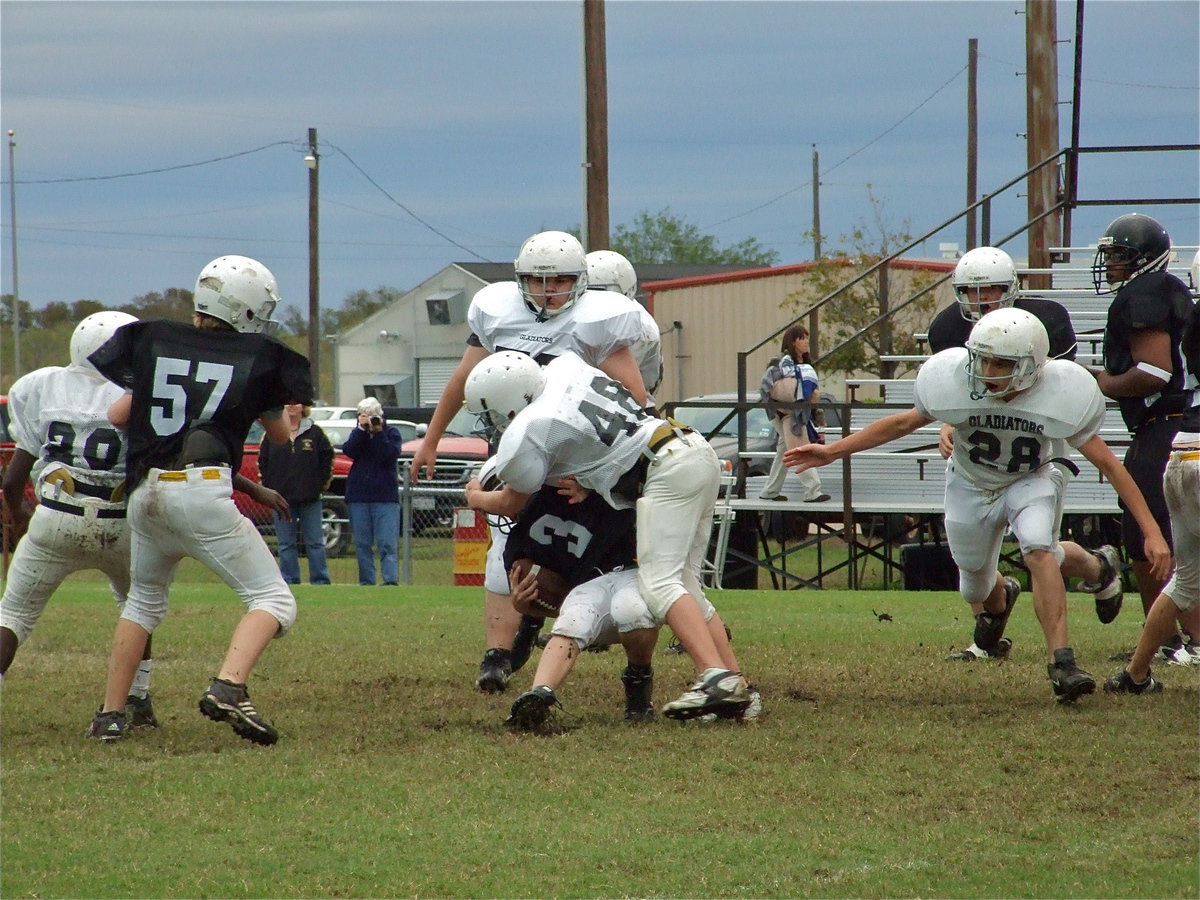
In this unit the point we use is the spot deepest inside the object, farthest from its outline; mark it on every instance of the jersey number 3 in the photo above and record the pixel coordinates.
(174, 381)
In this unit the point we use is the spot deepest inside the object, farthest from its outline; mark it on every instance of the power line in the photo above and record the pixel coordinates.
(847, 158)
(1066, 76)
(415, 217)
(203, 162)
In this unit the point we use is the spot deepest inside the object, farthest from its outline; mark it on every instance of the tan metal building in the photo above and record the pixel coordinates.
(705, 321)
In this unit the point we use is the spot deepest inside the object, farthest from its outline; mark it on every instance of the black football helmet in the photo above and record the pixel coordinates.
(1135, 242)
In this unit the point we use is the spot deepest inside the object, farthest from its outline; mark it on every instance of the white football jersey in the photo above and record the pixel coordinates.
(647, 348)
(998, 441)
(60, 417)
(597, 324)
(583, 424)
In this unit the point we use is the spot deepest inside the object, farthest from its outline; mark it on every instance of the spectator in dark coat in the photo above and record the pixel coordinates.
(373, 492)
(300, 470)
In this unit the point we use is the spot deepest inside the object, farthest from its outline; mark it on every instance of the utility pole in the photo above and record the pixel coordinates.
(972, 137)
(1041, 115)
(12, 219)
(816, 216)
(595, 69)
(312, 161)
(1072, 186)
(814, 318)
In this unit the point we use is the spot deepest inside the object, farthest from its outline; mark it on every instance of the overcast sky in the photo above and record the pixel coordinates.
(450, 131)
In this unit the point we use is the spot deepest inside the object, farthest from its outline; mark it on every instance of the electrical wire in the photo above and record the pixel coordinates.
(203, 162)
(848, 157)
(415, 217)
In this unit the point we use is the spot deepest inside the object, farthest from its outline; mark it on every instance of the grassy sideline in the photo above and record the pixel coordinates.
(879, 770)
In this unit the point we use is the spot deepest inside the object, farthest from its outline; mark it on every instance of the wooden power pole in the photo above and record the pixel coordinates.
(595, 149)
(1041, 115)
(314, 265)
(972, 139)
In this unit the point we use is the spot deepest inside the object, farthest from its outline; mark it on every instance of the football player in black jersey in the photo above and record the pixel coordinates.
(192, 393)
(1180, 598)
(1142, 369)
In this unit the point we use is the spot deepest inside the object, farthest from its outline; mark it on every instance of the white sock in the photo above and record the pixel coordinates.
(141, 680)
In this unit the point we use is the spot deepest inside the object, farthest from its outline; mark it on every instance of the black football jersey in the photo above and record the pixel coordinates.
(577, 541)
(1190, 350)
(1156, 301)
(184, 378)
(950, 329)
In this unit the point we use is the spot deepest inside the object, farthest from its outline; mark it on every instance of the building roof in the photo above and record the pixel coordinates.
(727, 274)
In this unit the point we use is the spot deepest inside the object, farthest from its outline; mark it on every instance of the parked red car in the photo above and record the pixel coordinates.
(460, 454)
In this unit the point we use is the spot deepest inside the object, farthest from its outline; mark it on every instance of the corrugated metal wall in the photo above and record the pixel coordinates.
(720, 319)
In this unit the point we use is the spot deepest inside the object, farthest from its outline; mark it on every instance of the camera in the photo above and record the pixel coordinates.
(376, 421)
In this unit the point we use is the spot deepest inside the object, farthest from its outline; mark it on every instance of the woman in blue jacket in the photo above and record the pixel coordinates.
(373, 492)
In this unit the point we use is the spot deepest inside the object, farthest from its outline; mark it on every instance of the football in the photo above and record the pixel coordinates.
(552, 590)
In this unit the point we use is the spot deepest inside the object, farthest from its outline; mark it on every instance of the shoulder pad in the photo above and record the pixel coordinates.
(942, 382)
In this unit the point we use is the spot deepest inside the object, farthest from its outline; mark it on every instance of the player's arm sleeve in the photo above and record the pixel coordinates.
(1093, 420)
(939, 338)
(295, 375)
(522, 467)
(481, 326)
(1063, 342)
(114, 358)
(23, 413)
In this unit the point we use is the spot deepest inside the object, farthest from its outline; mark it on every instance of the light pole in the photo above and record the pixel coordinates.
(314, 267)
(12, 219)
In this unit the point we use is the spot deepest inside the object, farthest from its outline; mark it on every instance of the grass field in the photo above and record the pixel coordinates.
(878, 770)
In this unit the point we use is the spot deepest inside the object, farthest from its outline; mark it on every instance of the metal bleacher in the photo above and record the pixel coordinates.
(895, 492)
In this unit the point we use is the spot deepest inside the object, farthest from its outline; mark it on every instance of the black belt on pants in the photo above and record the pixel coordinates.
(74, 510)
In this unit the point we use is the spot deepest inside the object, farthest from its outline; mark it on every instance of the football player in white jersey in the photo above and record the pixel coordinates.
(77, 462)
(545, 312)
(572, 427)
(1012, 410)
(608, 270)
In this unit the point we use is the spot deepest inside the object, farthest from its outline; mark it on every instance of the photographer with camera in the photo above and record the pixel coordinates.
(373, 492)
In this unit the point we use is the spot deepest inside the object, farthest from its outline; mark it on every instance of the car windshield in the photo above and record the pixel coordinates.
(708, 420)
(465, 424)
(321, 413)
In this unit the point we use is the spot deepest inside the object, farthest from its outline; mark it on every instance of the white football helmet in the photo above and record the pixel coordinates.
(502, 385)
(979, 268)
(1011, 334)
(240, 291)
(93, 332)
(550, 254)
(608, 270)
